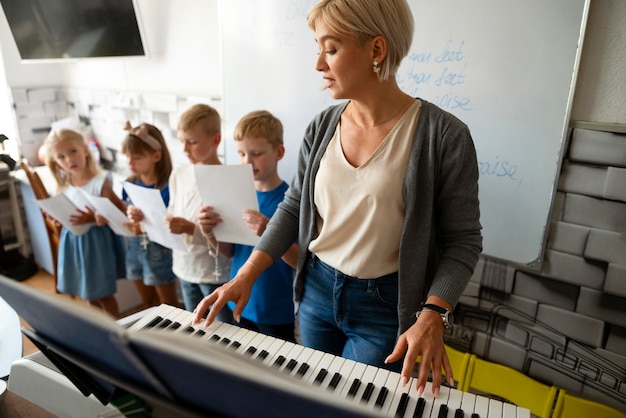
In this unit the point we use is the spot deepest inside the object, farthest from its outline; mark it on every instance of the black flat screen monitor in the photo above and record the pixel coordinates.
(74, 29)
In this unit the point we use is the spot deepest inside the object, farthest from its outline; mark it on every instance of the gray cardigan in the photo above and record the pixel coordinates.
(441, 238)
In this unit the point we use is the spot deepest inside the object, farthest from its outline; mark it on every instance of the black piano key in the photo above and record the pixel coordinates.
(475, 415)
(188, 329)
(367, 393)
(251, 350)
(459, 413)
(382, 396)
(356, 383)
(263, 354)
(334, 381)
(235, 344)
(419, 408)
(215, 337)
(225, 341)
(291, 365)
(200, 332)
(302, 369)
(154, 322)
(164, 324)
(320, 377)
(175, 325)
(401, 410)
(443, 411)
(279, 361)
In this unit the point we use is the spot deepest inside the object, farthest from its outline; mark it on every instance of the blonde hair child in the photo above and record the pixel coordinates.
(88, 264)
(148, 263)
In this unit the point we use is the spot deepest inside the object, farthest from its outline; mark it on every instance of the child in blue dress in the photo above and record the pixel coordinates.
(88, 264)
(270, 310)
(148, 263)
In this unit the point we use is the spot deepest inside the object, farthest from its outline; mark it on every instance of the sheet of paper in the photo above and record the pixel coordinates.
(60, 207)
(154, 211)
(230, 190)
(112, 213)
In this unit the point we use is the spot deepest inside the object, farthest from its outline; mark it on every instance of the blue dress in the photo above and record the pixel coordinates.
(90, 264)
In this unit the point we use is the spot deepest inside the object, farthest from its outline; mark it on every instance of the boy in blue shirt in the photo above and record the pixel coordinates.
(270, 310)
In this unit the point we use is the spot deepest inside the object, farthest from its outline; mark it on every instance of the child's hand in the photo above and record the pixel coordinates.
(178, 225)
(100, 220)
(208, 219)
(83, 216)
(134, 214)
(256, 221)
(133, 227)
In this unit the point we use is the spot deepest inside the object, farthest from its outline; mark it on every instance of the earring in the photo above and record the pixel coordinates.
(376, 67)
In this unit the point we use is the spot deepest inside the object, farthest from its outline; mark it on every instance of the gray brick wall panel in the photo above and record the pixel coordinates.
(578, 327)
(615, 282)
(583, 179)
(574, 269)
(606, 246)
(615, 185)
(568, 238)
(594, 212)
(605, 307)
(545, 290)
(598, 147)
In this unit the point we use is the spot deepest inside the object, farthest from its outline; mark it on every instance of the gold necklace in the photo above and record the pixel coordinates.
(404, 103)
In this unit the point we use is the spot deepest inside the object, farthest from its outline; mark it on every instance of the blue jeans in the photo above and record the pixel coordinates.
(349, 317)
(193, 293)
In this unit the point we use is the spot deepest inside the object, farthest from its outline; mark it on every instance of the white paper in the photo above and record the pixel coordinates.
(60, 207)
(154, 212)
(112, 213)
(230, 190)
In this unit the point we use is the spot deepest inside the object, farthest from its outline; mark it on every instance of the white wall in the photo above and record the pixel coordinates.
(184, 46)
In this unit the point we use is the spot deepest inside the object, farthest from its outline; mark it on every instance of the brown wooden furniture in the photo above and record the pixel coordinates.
(52, 227)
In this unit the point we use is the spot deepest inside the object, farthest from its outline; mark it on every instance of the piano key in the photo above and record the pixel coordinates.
(355, 375)
(509, 410)
(321, 368)
(379, 389)
(441, 399)
(481, 407)
(454, 402)
(495, 409)
(467, 404)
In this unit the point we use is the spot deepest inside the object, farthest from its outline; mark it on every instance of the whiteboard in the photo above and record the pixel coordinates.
(506, 68)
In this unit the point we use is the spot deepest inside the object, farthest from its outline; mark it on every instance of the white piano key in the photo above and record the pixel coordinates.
(509, 410)
(523, 413)
(161, 310)
(291, 359)
(241, 339)
(313, 362)
(269, 345)
(468, 403)
(441, 399)
(302, 359)
(345, 371)
(392, 383)
(333, 368)
(281, 353)
(398, 391)
(324, 363)
(368, 376)
(378, 384)
(495, 409)
(454, 401)
(481, 406)
(357, 373)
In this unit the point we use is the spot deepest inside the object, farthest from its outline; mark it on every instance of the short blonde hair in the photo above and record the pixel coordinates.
(260, 124)
(362, 20)
(54, 138)
(203, 116)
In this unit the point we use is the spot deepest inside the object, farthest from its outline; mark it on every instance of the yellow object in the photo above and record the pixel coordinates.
(507, 383)
(460, 362)
(570, 406)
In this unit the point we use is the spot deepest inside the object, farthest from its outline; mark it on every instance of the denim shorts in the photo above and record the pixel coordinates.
(148, 261)
(349, 317)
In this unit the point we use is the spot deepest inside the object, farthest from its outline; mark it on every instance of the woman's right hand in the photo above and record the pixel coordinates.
(134, 214)
(237, 290)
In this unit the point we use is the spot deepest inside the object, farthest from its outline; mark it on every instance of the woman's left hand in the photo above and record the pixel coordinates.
(425, 339)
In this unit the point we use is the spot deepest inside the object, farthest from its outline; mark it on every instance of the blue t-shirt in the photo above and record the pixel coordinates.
(271, 300)
(165, 192)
